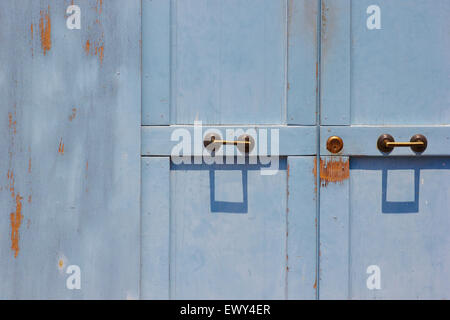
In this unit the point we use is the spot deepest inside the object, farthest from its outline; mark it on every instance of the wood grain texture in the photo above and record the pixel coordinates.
(70, 169)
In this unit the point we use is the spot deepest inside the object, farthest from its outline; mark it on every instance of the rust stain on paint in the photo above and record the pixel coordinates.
(61, 147)
(101, 55)
(333, 170)
(16, 220)
(45, 28)
(87, 47)
(73, 115)
(60, 263)
(96, 48)
(32, 39)
(99, 6)
(11, 188)
(16, 216)
(12, 122)
(314, 171)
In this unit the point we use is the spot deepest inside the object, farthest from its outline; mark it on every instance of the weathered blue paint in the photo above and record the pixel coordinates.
(230, 62)
(217, 251)
(156, 46)
(70, 142)
(334, 240)
(234, 233)
(155, 228)
(88, 178)
(389, 214)
(362, 140)
(335, 73)
(301, 280)
(294, 140)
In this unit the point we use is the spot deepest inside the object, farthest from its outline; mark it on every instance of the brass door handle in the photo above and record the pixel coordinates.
(386, 143)
(245, 143)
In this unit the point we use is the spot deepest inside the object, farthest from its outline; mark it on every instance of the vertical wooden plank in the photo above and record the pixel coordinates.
(301, 229)
(156, 62)
(335, 62)
(334, 228)
(70, 136)
(228, 232)
(229, 62)
(302, 62)
(155, 225)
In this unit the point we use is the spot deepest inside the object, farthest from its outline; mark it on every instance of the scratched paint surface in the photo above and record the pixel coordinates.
(69, 170)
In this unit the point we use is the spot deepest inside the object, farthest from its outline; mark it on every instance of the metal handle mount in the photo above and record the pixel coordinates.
(386, 143)
(245, 143)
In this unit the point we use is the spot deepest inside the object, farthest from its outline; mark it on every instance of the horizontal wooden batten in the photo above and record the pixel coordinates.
(362, 140)
(293, 140)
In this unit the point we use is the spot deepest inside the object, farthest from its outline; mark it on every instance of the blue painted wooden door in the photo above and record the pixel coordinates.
(231, 230)
(70, 141)
(109, 196)
(384, 217)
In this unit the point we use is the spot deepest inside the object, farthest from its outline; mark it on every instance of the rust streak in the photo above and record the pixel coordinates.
(73, 115)
(16, 221)
(10, 176)
(32, 38)
(100, 6)
(333, 171)
(12, 121)
(45, 28)
(61, 147)
(101, 53)
(87, 47)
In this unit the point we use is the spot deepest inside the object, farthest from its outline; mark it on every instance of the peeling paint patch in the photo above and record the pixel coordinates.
(45, 28)
(333, 170)
(16, 221)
